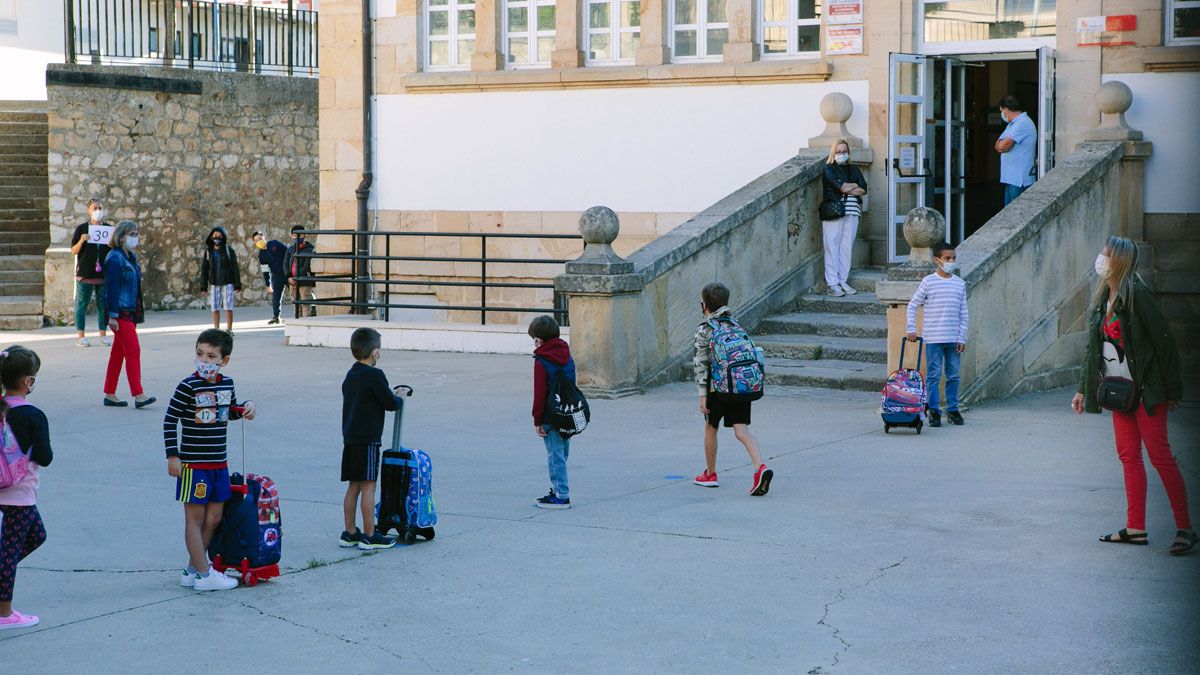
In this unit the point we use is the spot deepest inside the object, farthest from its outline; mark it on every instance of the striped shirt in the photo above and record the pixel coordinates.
(945, 301)
(852, 207)
(203, 409)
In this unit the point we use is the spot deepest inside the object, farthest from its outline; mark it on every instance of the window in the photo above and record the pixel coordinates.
(1183, 22)
(699, 30)
(790, 27)
(977, 20)
(8, 17)
(528, 32)
(614, 30)
(450, 34)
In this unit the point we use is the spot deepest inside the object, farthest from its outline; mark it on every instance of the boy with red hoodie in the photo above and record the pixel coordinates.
(552, 359)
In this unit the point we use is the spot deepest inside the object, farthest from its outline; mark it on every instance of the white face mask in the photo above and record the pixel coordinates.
(131, 241)
(207, 371)
(97, 215)
(950, 267)
(1102, 266)
(841, 158)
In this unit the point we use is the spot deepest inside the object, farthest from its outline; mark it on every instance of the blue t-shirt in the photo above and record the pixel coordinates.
(1016, 165)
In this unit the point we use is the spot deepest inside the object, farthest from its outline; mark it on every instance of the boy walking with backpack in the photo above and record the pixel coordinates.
(729, 375)
(365, 397)
(552, 359)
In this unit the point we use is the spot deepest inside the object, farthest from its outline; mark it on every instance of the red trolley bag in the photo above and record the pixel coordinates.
(250, 535)
(904, 397)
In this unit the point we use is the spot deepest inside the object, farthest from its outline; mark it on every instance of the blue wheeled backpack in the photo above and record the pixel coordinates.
(406, 487)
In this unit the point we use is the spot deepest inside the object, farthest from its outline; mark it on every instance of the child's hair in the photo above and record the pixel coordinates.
(257, 233)
(543, 327)
(218, 338)
(939, 249)
(297, 228)
(715, 296)
(363, 341)
(16, 362)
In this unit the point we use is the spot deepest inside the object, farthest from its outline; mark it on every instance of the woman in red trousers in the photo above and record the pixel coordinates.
(123, 295)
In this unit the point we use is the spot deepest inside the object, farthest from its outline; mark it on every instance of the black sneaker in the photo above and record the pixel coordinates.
(935, 418)
(955, 418)
(553, 501)
(375, 541)
(348, 540)
(274, 320)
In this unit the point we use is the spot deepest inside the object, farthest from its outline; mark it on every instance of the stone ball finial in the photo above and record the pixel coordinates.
(923, 228)
(1114, 98)
(599, 225)
(836, 108)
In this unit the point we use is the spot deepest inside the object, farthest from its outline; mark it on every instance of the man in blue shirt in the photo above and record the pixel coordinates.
(1018, 149)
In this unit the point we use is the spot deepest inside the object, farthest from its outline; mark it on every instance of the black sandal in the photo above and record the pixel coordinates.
(1181, 547)
(1124, 537)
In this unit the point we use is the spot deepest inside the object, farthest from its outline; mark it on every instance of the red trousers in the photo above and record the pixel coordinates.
(1131, 431)
(125, 349)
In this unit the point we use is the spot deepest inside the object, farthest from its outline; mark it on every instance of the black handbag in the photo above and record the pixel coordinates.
(1118, 394)
(832, 209)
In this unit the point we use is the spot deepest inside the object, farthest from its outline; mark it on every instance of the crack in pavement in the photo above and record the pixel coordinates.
(837, 632)
(85, 570)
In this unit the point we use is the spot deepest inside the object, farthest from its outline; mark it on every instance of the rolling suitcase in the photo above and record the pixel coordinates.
(406, 486)
(904, 394)
(249, 537)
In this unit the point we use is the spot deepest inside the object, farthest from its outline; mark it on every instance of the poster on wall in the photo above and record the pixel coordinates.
(843, 11)
(843, 40)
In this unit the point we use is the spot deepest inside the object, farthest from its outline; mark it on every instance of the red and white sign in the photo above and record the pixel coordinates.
(841, 40)
(843, 11)
(1105, 31)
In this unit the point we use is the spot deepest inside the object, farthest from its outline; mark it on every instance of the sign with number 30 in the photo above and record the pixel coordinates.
(99, 234)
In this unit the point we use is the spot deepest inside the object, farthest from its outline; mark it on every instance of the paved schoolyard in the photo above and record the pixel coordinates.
(970, 549)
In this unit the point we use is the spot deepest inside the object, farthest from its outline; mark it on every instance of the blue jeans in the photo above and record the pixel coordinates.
(943, 357)
(83, 295)
(277, 286)
(557, 451)
(1011, 192)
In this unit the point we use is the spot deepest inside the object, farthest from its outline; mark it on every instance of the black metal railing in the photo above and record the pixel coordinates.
(379, 290)
(193, 34)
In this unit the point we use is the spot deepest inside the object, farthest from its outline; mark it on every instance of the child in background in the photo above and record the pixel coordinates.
(365, 397)
(944, 325)
(219, 273)
(25, 442)
(270, 259)
(552, 356)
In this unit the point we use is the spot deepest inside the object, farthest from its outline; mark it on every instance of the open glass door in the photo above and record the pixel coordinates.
(1045, 123)
(907, 161)
(948, 131)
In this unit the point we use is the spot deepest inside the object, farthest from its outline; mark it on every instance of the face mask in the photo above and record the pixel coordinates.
(950, 267)
(207, 371)
(131, 242)
(29, 391)
(1102, 266)
(97, 215)
(841, 158)
(260, 245)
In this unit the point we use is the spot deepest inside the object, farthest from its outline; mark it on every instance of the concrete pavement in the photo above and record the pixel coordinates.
(970, 549)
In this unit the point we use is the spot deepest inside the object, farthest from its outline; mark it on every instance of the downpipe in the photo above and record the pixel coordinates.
(362, 247)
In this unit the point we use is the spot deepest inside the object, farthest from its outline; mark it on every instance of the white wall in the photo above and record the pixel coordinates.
(1165, 108)
(675, 149)
(23, 57)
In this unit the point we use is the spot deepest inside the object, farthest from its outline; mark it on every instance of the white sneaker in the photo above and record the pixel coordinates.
(848, 289)
(215, 581)
(836, 291)
(187, 579)
(106, 341)
(83, 342)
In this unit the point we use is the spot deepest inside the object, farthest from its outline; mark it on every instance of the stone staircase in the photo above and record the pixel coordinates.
(24, 213)
(828, 342)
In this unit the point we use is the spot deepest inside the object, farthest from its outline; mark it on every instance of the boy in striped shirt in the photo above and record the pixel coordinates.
(203, 404)
(944, 297)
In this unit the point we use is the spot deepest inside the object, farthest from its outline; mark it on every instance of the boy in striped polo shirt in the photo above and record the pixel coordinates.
(203, 404)
(944, 297)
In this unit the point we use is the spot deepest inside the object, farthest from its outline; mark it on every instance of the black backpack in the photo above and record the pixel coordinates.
(566, 410)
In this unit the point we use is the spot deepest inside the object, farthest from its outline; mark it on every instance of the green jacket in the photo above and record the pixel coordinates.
(1149, 347)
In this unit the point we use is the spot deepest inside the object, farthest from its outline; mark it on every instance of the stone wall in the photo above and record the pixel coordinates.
(240, 152)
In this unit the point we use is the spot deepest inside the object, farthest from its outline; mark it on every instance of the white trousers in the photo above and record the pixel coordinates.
(839, 248)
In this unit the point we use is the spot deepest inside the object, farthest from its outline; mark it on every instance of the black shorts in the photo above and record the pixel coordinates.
(360, 461)
(734, 412)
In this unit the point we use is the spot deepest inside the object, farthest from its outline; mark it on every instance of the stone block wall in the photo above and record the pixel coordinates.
(241, 154)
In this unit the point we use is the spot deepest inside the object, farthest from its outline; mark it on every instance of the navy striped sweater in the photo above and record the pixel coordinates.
(203, 409)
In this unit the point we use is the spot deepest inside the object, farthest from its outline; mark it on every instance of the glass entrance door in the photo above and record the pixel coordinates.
(948, 129)
(907, 157)
(1045, 123)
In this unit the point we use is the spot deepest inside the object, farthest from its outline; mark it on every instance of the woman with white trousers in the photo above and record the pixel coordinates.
(843, 186)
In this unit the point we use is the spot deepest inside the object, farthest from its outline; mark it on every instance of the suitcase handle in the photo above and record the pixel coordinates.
(920, 352)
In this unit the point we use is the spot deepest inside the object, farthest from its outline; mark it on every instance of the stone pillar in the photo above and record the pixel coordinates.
(923, 228)
(567, 17)
(741, 47)
(489, 52)
(652, 49)
(1114, 99)
(602, 297)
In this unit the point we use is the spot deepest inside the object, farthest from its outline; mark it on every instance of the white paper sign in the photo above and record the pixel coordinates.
(908, 158)
(843, 11)
(843, 40)
(99, 234)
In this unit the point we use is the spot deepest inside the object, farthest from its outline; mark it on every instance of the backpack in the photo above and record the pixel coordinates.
(736, 368)
(14, 462)
(567, 410)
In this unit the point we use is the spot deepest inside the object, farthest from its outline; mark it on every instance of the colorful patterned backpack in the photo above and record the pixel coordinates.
(14, 463)
(736, 367)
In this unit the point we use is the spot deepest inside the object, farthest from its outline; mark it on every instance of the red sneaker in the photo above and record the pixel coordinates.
(706, 479)
(762, 481)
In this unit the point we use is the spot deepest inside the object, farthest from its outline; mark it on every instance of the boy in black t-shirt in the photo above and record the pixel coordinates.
(89, 274)
(365, 397)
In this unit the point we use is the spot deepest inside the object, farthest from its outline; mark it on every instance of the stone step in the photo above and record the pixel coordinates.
(17, 305)
(861, 303)
(11, 263)
(864, 280)
(27, 191)
(12, 203)
(827, 374)
(24, 214)
(8, 115)
(21, 276)
(826, 324)
(22, 288)
(27, 127)
(816, 347)
(22, 155)
(24, 181)
(21, 248)
(16, 227)
(10, 167)
(15, 139)
(20, 321)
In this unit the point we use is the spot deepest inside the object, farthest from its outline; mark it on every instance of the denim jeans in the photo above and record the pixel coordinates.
(557, 451)
(1011, 192)
(943, 357)
(83, 295)
(277, 286)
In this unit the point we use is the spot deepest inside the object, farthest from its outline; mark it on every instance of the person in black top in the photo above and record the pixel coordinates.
(365, 397)
(270, 259)
(89, 274)
(219, 274)
(842, 189)
(300, 266)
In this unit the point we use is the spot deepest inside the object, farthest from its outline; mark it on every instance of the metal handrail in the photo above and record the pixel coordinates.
(383, 286)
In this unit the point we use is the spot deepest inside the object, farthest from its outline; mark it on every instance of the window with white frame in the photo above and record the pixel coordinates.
(614, 30)
(1183, 22)
(528, 33)
(8, 17)
(789, 28)
(449, 34)
(699, 30)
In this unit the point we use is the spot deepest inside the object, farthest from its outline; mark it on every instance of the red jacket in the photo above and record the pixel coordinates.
(555, 351)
